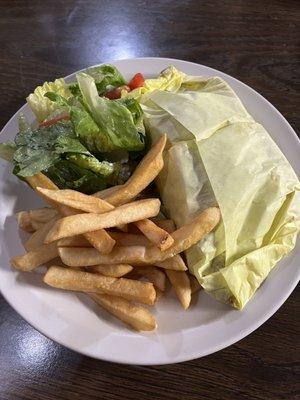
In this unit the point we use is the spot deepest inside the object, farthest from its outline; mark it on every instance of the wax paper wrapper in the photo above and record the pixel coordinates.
(217, 154)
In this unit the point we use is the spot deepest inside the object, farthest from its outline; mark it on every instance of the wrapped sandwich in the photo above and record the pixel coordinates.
(219, 155)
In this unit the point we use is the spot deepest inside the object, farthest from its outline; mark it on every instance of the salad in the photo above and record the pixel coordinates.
(88, 134)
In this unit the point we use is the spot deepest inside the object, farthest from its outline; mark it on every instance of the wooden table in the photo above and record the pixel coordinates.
(255, 41)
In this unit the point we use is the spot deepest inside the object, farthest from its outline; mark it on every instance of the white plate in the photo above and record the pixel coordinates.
(75, 322)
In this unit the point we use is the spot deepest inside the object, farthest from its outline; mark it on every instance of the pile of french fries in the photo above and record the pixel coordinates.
(110, 245)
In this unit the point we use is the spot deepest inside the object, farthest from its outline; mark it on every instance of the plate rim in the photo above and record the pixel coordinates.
(224, 344)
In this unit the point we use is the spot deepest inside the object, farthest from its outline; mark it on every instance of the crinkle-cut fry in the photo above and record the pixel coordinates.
(181, 284)
(154, 275)
(159, 237)
(101, 241)
(83, 223)
(129, 239)
(166, 224)
(195, 285)
(137, 317)
(74, 241)
(43, 215)
(37, 238)
(144, 174)
(70, 279)
(113, 270)
(35, 258)
(184, 238)
(24, 221)
(76, 200)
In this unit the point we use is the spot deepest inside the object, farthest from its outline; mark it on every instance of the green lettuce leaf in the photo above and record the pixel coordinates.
(67, 175)
(41, 106)
(106, 77)
(84, 125)
(103, 168)
(136, 111)
(87, 129)
(7, 151)
(38, 149)
(115, 121)
(43, 148)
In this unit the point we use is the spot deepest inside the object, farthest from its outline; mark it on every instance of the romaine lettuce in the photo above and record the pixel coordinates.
(7, 151)
(114, 120)
(67, 175)
(45, 148)
(105, 76)
(41, 105)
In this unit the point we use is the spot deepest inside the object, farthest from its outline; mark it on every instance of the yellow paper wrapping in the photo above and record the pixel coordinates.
(218, 154)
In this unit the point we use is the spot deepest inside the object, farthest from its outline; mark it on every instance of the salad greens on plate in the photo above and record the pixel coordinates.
(87, 137)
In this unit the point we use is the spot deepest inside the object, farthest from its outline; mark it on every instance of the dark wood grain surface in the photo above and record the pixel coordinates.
(255, 41)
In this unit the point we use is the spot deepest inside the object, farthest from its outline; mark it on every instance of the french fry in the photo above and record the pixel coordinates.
(181, 284)
(123, 227)
(76, 200)
(86, 257)
(159, 295)
(113, 270)
(40, 180)
(43, 215)
(129, 239)
(162, 239)
(36, 224)
(107, 192)
(24, 221)
(184, 238)
(157, 277)
(166, 224)
(144, 174)
(74, 241)
(82, 223)
(138, 317)
(90, 204)
(70, 279)
(195, 285)
(175, 263)
(100, 240)
(35, 258)
(37, 238)
(189, 234)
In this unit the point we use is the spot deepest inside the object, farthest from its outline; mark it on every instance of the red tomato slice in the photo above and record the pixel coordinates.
(137, 81)
(53, 121)
(116, 93)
